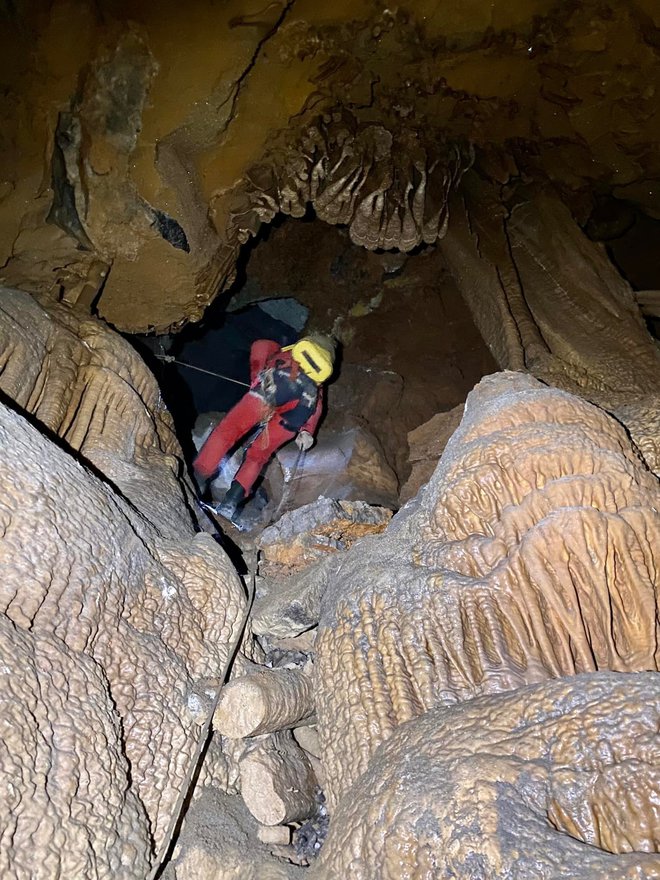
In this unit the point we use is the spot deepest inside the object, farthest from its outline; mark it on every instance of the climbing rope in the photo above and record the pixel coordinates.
(168, 842)
(168, 359)
(288, 485)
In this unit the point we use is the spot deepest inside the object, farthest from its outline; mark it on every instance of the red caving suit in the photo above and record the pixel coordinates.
(281, 396)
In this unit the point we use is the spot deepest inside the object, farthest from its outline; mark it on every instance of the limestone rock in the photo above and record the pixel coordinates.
(89, 387)
(547, 299)
(139, 619)
(289, 606)
(531, 554)
(275, 835)
(95, 199)
(220, 842)
(299, 559)
(199, 864)
(427, 443)
(390, 188)
(170, 151)
(264, 701)
(309, 533)
(308, 739)
(68, 808)
(641, 416)
(552, 781)
(278, 784)
(346, 464)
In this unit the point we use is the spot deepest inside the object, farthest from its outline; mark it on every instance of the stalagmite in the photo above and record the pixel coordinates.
(277, 781)
(264, 702)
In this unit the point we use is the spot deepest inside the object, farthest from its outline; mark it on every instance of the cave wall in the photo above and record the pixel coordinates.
(409, 347)
(117, 614)
(169, 133)
(140, 155)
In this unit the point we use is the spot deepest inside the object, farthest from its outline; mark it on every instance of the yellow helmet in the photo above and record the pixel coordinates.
(315, 355)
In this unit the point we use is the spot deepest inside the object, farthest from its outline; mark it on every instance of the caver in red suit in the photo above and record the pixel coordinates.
(286, 396)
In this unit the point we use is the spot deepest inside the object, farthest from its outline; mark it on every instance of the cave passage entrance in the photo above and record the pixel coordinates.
(632, 240)
(408, 346)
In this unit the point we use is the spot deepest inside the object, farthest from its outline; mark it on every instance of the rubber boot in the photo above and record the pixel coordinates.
(233, 499)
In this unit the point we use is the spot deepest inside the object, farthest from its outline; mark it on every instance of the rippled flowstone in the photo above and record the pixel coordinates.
(115, 613)
(552, 781)
(531, 554)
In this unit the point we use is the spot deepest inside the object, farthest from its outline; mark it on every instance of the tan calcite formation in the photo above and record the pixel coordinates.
(547, 299)
(90, 388)
(552, 781)
(292, 565)
(199, 864)
(278, 783)
(264, 701)
(390, 189)
(641, 416)
(219, 841)
(127, 624)
(306, 535)
(99, 203)
(68, 808)
(531, 554)
(170, 132)
(426, 444)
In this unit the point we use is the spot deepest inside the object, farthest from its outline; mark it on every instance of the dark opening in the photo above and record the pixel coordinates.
(409, 346)
(632, 238)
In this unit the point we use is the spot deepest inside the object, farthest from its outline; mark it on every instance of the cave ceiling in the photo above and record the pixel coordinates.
(143, 144)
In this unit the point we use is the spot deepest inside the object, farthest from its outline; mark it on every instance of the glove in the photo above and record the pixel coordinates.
(304, 441)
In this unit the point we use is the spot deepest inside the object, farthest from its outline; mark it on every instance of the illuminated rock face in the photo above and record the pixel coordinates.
(555, 780)
(113, 614)
(180, 130)
(91, 389)
(529, 557)
(548, 300)
(531, 554)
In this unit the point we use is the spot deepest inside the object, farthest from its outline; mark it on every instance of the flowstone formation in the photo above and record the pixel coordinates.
(548, 300)
(500, 632)
(172, 134)
(117, 622)
(551, 781)
(475, 686)
(466, 689)
(92, 391)
(531, 554)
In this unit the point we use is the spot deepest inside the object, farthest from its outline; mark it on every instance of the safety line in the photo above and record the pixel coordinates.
(171, 360)
(164, 855)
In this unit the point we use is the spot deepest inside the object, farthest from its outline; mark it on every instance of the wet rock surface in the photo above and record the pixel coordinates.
(527, 556)
(473, 689)
(373, 644)
(87, 386)
(511, 786)
(307, 534)
(118, 608)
